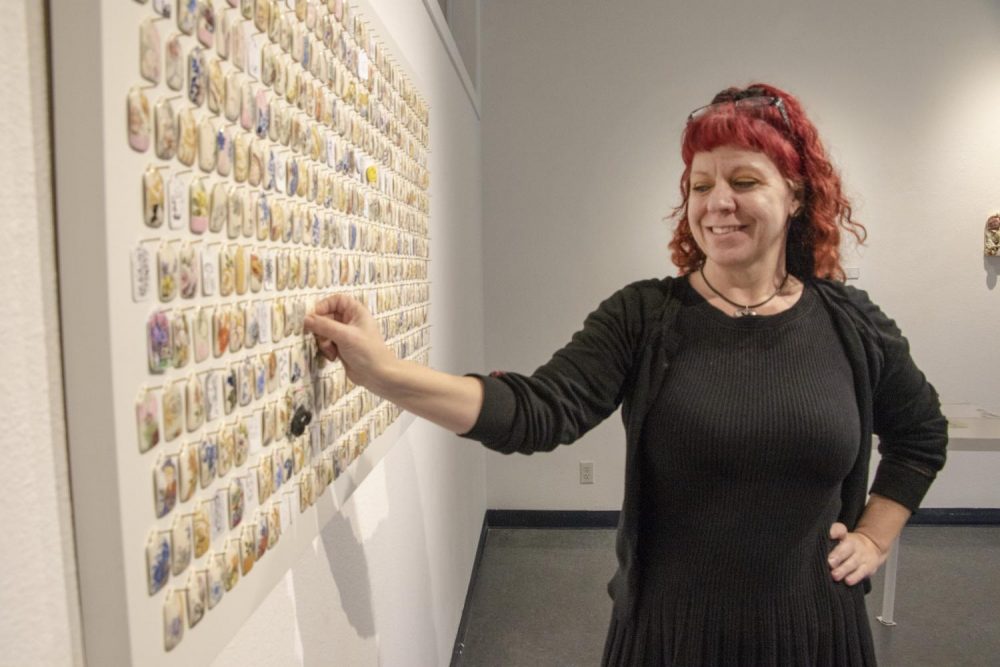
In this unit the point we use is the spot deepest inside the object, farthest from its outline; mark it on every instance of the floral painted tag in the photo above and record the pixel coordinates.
(187, 137)
(206, 24)
(240, 266)
(218, 209)
(229, 391)
(213, 398)
(197, 597)
(245, 378)
(142, 274)
(235, 503)
(248, 548)
(173, 62)
(187, 256)
(216, 579)
(263, 538)
(226, 451)
(224, 150)
(227, 269)
(242, 442)
(237, 212)
(198, 208)
(159, 343)
(232, 563)
(149, 51)
(158, 560)
(241, 157)
(166, 259)
(209, 461)
(140, 121)
(207, 155)
(216, 96)
(222, 324)
(165, 121)
(187, 15)
(147, 417)
(173, 411)
(233, 99)
(183, 543)
(194, 404)
(201, 334)
(180, 335)
(256, 169)
(153, 201)
(178, 200)
(273, 524)
(202, 530)
(188, 473)
(165, 485)
(197, 76)
(173, 619)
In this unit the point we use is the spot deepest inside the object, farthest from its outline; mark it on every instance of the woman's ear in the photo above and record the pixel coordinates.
(798, 197)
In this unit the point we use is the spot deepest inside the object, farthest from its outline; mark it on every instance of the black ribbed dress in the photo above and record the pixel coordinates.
(743, 454)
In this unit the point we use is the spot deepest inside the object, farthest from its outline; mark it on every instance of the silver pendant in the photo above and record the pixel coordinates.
(745, 311)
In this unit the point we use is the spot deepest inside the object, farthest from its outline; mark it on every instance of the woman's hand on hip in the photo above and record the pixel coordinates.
(856, 556)
(345, 330)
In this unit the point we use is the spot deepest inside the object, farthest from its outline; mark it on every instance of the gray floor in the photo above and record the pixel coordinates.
(539, 599)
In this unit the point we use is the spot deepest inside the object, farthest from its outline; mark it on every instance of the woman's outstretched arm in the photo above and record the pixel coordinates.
(345, 330)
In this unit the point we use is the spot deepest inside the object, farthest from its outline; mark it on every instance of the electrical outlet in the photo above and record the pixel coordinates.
(586, 472)
(852, 272)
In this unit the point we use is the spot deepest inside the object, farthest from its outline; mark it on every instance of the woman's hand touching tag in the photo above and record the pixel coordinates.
(345, 330)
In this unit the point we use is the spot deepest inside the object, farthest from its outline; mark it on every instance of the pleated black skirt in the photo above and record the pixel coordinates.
(823, 624)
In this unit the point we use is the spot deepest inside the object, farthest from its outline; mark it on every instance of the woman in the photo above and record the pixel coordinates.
(750, 388)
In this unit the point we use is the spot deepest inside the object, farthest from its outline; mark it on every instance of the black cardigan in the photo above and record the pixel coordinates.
(621, 356)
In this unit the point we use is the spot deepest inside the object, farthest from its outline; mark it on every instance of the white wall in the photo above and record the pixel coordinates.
(40, 618)
(385, 582)
(584, 102)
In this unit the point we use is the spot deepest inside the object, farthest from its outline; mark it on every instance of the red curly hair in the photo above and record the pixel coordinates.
(813, 245)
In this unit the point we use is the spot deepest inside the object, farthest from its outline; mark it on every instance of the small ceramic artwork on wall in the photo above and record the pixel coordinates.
(158, 560)
(202, 531)
(140, 121)
(173, 619)
(183, 543)
(216, 579)
(248, 548)
(232, 563)
(235, 503)
(197, 597)
(147, 416)
(991, 246)
(165, 485)
(188, 474)
(173, 411)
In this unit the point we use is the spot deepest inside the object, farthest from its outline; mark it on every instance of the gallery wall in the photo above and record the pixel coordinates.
(40, 618)
(386, 580)
(583, 106)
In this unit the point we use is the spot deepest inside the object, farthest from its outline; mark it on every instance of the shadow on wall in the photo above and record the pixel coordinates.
(383, 580)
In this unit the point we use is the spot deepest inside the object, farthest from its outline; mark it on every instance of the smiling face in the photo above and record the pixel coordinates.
(738, 208)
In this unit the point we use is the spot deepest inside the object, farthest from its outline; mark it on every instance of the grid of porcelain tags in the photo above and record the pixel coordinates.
(287, 161)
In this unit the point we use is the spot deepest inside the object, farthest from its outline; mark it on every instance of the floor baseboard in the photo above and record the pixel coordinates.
(552, 518)
(959, 516)
(955, 516)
